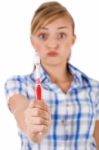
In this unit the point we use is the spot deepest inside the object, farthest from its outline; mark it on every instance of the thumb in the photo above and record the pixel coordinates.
(32, 104)
(38, 104)
(42, 104)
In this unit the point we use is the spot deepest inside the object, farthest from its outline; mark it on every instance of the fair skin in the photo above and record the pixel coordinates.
(33, 118)
(96, 134)
(53, 42)
(56, 38)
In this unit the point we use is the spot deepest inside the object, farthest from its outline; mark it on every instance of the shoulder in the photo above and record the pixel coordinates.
(18, 79)
(94, 82)
(90, 82)
(84, 81)
(18, 84)
(83, 77)
(91, 85)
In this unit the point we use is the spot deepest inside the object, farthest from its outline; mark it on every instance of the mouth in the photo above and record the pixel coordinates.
(52, 54)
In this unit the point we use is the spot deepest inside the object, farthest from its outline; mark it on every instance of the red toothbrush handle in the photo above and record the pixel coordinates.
(38, 92)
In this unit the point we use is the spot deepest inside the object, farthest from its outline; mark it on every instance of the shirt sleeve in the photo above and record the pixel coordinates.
(15, 85)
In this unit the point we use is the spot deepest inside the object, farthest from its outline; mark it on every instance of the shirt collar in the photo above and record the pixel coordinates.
(77, 74)
(44, 77)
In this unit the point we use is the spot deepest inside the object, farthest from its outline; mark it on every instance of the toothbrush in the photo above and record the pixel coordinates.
(38, 88)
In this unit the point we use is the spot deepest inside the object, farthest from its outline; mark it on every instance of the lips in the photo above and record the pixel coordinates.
(52, 53)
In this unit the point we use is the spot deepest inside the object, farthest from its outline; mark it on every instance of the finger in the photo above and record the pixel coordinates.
(37, 112)
(38, 121)
(38, 128)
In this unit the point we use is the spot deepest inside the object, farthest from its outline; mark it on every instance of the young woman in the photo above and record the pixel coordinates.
(67, 117)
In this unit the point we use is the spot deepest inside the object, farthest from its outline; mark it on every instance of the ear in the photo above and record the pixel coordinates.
(32, 41)
(73, 39)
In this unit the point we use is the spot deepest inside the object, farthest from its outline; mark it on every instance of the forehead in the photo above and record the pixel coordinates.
(60, 23)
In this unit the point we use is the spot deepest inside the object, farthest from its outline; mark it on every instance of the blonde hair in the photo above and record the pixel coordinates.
(48, 12)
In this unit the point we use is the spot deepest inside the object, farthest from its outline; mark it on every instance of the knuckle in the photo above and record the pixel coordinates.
(50, 122)
(40, 121)
(44, 128)
(37, 112)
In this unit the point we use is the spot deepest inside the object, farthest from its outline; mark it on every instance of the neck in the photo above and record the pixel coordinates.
(58, 74)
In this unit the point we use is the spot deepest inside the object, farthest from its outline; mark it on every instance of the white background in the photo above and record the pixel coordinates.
(16, 53)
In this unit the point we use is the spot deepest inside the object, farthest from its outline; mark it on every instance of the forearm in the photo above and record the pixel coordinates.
(20, 119)
(18, 104)
(19, 116)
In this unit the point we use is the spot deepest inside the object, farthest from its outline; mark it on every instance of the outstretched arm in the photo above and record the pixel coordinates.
(33, 117)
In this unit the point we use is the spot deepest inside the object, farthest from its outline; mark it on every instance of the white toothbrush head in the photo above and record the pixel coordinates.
(36, 59)
(37, 64)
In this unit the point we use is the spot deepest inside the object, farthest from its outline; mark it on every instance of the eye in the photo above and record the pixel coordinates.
(43, 36)
(61, 35)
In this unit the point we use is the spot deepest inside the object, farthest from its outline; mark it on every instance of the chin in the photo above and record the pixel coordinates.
(52, 63)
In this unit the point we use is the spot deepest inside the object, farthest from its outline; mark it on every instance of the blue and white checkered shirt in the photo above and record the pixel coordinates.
(73, 114)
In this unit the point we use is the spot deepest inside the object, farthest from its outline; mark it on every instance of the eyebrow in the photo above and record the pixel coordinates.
(62, 27)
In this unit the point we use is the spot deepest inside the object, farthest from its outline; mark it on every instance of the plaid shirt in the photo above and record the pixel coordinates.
(73, 113)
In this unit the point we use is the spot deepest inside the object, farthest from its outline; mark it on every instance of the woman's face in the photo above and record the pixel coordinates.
(53, 42)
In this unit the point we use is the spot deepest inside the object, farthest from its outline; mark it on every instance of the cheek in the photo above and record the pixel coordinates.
(38, 47)
(40, 50)
(68, 45)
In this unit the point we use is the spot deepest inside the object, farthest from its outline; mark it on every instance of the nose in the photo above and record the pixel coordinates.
(52, 43)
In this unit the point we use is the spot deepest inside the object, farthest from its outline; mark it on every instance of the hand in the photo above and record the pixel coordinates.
(37, 120)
